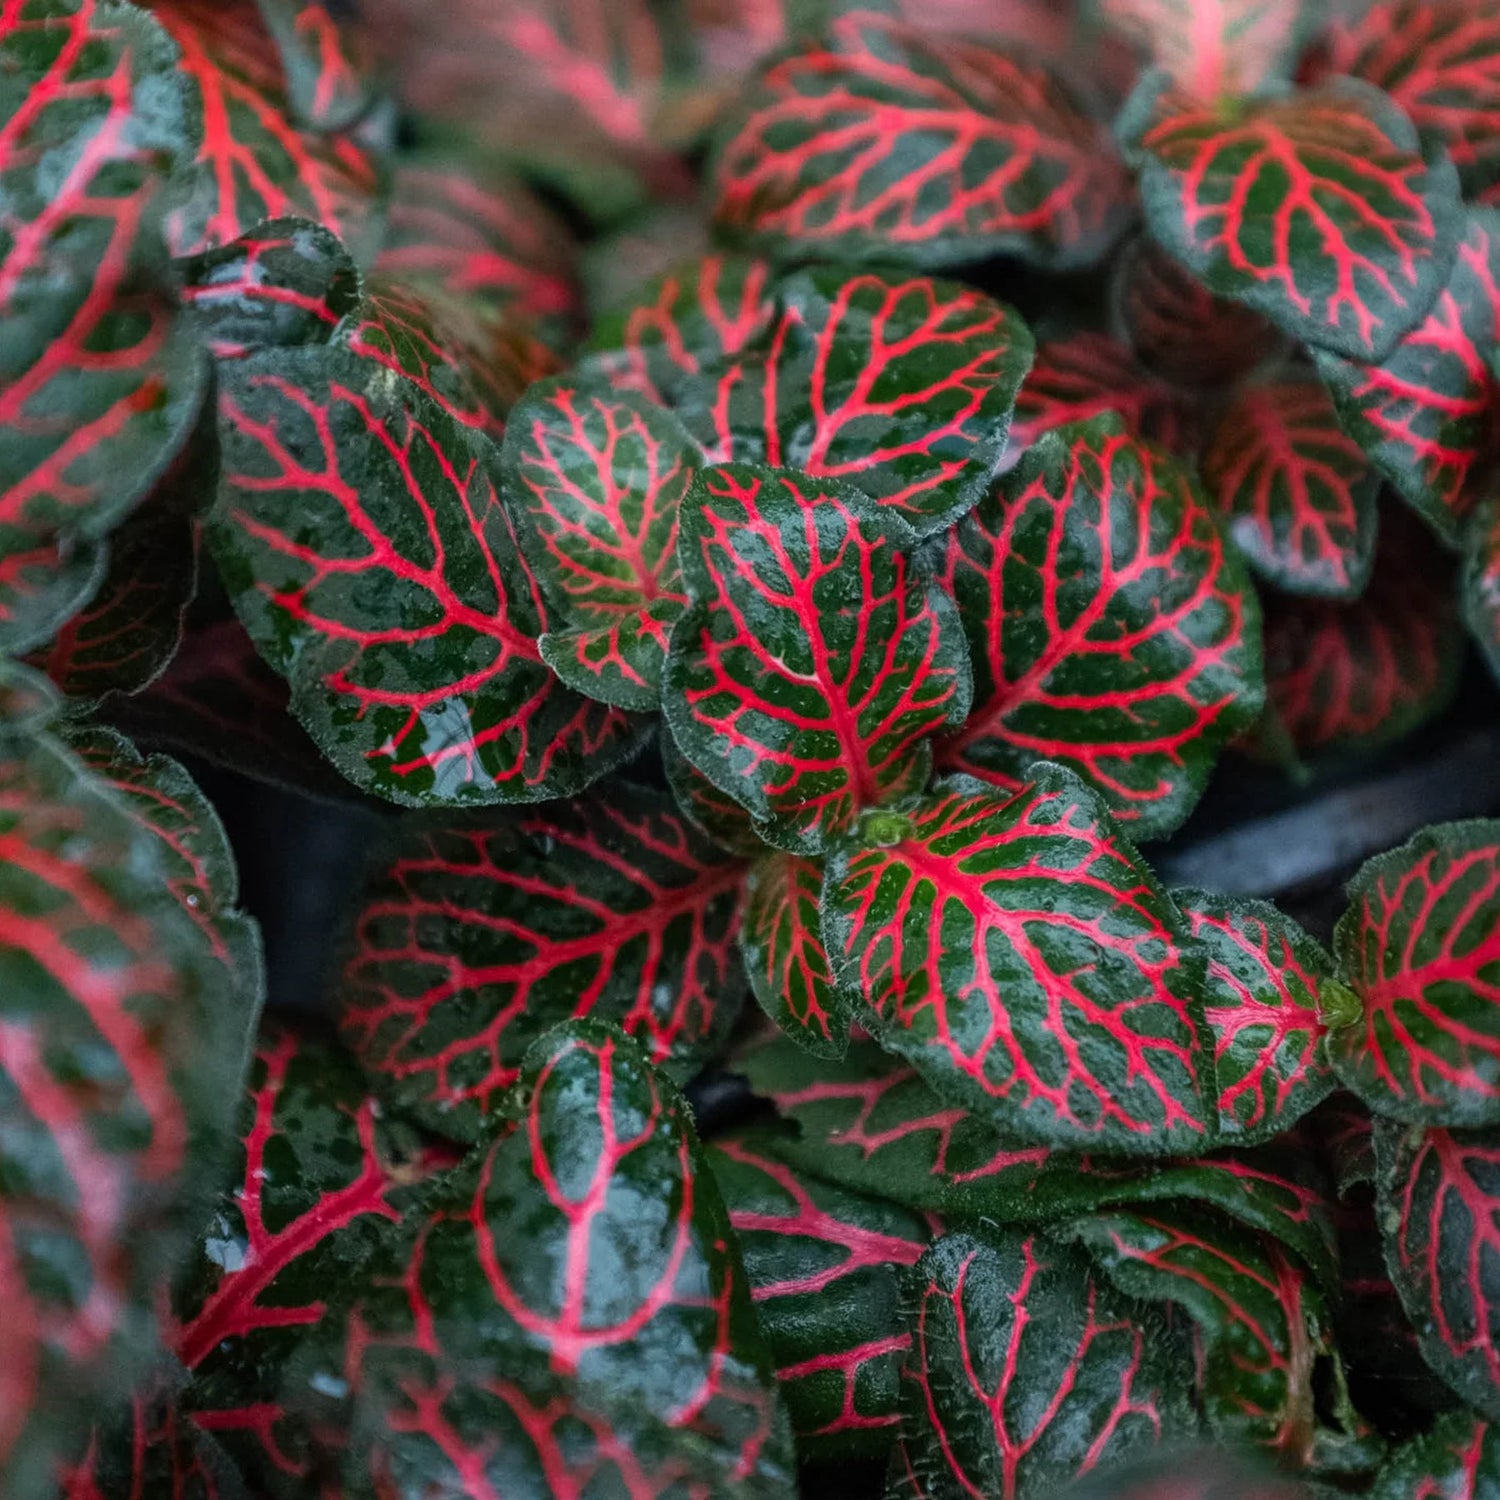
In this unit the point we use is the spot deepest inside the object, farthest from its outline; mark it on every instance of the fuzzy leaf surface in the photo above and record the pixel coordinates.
(1264, 990)
(1438, 1203)
(569, 1310)
(902, 386)
(1296, 492)
(361, 537)
(1315, 208)
(475, 937)
(816, 659)
(1110, 628)
(821, 1263)
(1420, 945)
(99, 380)
(1026, 1369)
(1424, 414)
(1459, 1459)
(1020, 956)
(874, 141)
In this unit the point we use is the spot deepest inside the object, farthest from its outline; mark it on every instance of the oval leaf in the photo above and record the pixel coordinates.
(609, 1346)
(1297, 493)
(815, 660)
(1438, 1202)
(821, 1264)
(360, 535)
(1021, 957)
(473, 939)
(901, 386)
(1025, 1370)
(1111, 629)
(1420, 945)
(876, 141)
(1458, 1460)
(1423, 415)
(1264, 998)
(1334, 171)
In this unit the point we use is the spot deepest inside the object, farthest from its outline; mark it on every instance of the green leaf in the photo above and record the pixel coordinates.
(328, 65)
(822, 1268)
(1315, 207)
(1481, 580)
(902, 386)
(1026, 1369)
(1420, 945)
(568, 1307)
(1267, 990)
(360, 535)
(1021, 957)
(1459, 1459)
(1111, 629)
(1438, 1204)
(815, 660)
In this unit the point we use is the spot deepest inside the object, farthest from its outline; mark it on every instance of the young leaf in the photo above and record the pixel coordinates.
(317, 1183)
(118, 1052)
(599, 477)
(1084, 375)
(781, 937)
(359, 532)
(124, 639)
(608, 1347)
(1459, 1459)
(1020, 956)
(1268, 986)
(1298, 494)
(1349, 676)
(901, 386)
(1440, 61)
(1438, 1202)
(815, 660)
(285, 283)
(821, 1264)
(474, 938)
(255, 162)
(1025, 1370)
(328, 67)
(874, 141)
(99, 380)
(478, 235)
(1423, 414)
(870, 1124)
(1420, 945)
(1110, 627)
(1179, 329)
(1263, 1325)
(695, 317)
(1315, 208)
(1481, 580)
(1214, 49)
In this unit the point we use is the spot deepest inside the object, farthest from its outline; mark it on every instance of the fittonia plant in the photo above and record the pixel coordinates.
(780, 508)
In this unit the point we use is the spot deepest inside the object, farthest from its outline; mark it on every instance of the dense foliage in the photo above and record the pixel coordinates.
(770, 635)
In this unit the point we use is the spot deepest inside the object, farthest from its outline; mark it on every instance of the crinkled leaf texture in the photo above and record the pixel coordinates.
(1020, 956)
(99, 379)
(1026, 1369)
(1420, 946)
(569, 1308)
(1111, 629)
(361, 536)
(816, 659)
(475, 937)
(822, 1268)
(1459, 1459)
(874, 141)
(1438, 1203)
(1316, 208)
(119, 1051)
